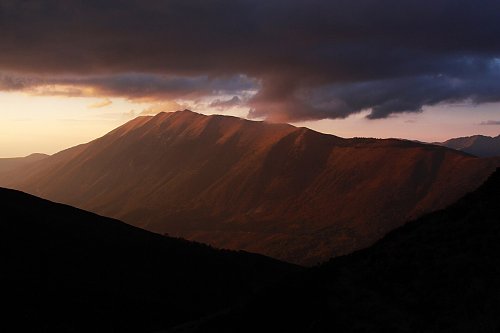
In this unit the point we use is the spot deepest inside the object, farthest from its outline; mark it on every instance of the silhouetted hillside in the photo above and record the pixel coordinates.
(287, 192)
(67, 270)
(478, 145)
(9, 164)
(440, 273)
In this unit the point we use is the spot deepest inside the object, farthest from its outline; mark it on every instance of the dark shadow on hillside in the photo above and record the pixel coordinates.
(440, 273)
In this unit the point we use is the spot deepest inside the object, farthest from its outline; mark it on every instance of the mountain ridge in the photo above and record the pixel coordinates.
(287, 192)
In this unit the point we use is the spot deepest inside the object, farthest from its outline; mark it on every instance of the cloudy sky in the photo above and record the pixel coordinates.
(72, 70)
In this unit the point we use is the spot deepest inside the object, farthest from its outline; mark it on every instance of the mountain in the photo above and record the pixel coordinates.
(275, 189)
(67, 270)
(439, 273)
(478, 145)
(8, 164)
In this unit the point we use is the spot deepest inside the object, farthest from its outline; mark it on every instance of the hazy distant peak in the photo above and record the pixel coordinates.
(8, 164)
(37, 156)
(478, 145)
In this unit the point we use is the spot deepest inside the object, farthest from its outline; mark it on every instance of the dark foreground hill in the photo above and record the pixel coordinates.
(67, 270)
(275, 189)
(478, 145)
(440, 273)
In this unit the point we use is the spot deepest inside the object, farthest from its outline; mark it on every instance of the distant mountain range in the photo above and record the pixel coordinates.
(9, 164)
(275, 189)
(436, 274)
(478, 145)
(67, 270)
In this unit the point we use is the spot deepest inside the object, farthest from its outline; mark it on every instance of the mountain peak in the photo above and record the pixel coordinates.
(193, 124)
(184, 113)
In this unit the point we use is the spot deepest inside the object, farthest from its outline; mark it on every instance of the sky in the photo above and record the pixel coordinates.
(70, 71)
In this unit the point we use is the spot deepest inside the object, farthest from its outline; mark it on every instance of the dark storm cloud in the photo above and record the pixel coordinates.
(130, 85)
(13, 83)
(161, 86)
(313, 58)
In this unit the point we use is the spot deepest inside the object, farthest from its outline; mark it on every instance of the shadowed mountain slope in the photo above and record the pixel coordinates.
(287, 192)
(67, 270)
(9, 164)
(478, 145)
(440, 273)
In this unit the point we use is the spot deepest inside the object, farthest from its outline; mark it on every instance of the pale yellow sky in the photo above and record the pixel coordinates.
(48, 124)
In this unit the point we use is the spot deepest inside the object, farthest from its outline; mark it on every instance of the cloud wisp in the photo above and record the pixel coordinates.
(101, 104)
(226, 104)
(491, 123)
